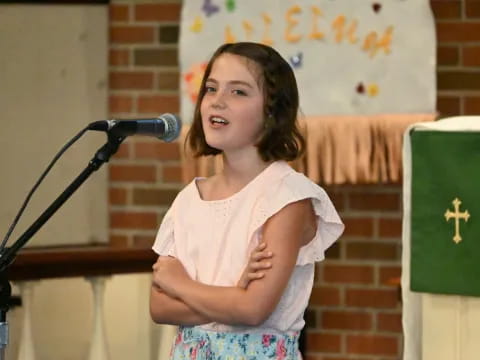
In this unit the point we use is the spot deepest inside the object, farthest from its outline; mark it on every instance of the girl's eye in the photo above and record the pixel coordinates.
(209, 89)
(239, 92)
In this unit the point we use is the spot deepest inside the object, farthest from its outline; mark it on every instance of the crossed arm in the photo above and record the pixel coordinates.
(177, 299)
(175, 312)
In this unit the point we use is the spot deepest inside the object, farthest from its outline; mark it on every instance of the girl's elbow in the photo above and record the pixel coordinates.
(254, 315)
(156, 314)
(259, 317)
(157, 308)
(162, 316)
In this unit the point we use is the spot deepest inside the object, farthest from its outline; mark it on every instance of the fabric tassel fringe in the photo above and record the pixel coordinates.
(360, 149)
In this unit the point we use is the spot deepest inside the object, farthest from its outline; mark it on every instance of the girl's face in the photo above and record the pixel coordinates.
(232, 107)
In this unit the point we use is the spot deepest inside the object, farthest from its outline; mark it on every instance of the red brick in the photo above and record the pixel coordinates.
(324, 342)
(358, 227)
(118, 12)
(143, 241)
(389, 274)
(372, 298)
(372, 344)
(390, 227)
(120, 104)
(337, 197)
(118, 240)
(346, 320)
(325, 296)
(157, 12)
(446, 9)
(472, 8)
(157, 150)
(158, 104)
(471, 56)
(168, 80)
(310, 317)
(458, 32)
(117, 196)
(334, 251)
(132, 34)
(448, 105)
(372, 251)
(157, 197)
(472, 105)
(370, 201)
(133, 220)
(120, 80)
(448, 55)
(119, 57)
(158, 57)
(389, 322)
(172, 174)
(136, 173)
(123, 152)
(348, 274)
(461, 80)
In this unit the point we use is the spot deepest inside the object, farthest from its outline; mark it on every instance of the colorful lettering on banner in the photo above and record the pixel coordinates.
(248, 30)
(315, 34)
(333, 46)
(266, 39)
(291, 23)
(340, 29)
(372, 44)
(229, 37)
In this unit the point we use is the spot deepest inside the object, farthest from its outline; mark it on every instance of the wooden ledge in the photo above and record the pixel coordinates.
(81, 261)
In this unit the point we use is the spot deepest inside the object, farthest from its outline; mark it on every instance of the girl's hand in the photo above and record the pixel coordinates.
(168, 274)
(257, 264)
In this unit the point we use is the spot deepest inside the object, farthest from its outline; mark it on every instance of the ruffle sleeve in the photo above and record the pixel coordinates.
(164, 244)
(295, 187)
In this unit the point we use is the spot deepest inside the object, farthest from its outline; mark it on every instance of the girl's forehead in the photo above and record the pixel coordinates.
(232, 62)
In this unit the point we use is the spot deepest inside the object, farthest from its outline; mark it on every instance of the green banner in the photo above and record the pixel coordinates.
(445, 218)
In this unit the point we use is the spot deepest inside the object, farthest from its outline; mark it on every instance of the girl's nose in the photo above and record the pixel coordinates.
(219, 101)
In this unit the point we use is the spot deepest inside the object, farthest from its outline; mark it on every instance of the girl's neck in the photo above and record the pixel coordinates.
(242, 170)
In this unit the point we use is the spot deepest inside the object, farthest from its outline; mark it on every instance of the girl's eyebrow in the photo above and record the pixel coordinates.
(231, 82)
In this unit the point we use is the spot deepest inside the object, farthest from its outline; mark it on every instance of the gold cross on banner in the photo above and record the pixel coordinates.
(457, 215)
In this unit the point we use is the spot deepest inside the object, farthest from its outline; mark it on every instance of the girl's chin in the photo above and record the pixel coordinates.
(215, 145)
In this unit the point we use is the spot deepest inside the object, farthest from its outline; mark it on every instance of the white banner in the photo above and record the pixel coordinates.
(349, 57)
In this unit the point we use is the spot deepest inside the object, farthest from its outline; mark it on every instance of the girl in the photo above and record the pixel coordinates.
(204, 280)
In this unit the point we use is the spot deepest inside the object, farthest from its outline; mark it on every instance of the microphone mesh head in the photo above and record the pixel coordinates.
(173, 125)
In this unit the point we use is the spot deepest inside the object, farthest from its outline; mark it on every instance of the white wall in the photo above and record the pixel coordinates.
(53, 82)
(53, 71)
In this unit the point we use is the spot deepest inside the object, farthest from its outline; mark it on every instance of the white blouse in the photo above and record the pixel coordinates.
(214, 239)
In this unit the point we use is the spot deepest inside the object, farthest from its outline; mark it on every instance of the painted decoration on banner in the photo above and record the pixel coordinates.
(349, 57)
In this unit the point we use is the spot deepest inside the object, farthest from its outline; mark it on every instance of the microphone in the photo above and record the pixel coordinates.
(166, 127)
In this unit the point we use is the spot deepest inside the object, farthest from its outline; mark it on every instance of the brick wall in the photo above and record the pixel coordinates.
(458, 33)
(145, 173)
(354, 309)
(354, 312)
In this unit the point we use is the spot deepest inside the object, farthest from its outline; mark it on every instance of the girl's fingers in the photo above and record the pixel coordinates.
(260, 265)
(261, 255)
(261, 246)
(254, 276)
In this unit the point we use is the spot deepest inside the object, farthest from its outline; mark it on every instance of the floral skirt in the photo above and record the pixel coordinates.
(195, 343)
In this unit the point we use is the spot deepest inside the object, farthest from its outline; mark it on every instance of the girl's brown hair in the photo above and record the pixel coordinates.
(281, 139)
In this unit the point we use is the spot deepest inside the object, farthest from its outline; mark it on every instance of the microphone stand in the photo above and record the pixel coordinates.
(7, 254)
